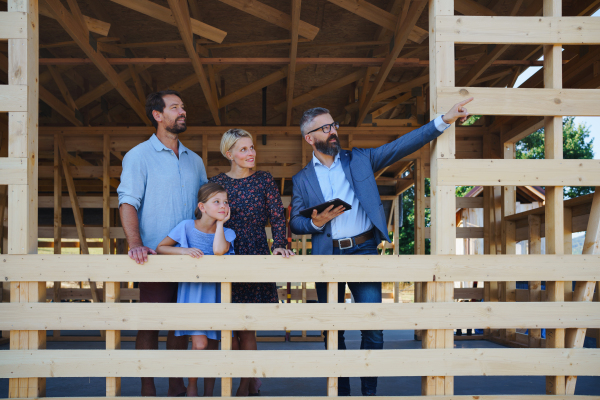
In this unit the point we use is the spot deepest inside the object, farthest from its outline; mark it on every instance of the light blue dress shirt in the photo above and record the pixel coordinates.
(161, 187)
(334, 185)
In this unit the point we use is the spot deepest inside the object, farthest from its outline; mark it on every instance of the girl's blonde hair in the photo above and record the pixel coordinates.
(206, 192)
(231, 137)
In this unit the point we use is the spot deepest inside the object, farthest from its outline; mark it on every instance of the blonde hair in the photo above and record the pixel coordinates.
(231, 137)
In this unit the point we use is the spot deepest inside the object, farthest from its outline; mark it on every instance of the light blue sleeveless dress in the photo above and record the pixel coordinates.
(186, 235)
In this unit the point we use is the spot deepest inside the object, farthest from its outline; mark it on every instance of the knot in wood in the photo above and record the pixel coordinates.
(557, 101)
(463, 92)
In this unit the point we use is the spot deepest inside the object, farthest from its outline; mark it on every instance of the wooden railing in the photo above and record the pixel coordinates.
(26, 270)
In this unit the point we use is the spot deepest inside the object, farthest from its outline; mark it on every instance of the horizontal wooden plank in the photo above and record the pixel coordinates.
(468, 293)
(513, 102)
(84, 201)
(461, 202)
(293, 363)
(13, 171)
(13, 98)
(461, 232)
(518, 30)
(404, 268)
(470, 397)
(297, 316)
(13, 25)
(519, 172)
(82, 171)
(70, 232)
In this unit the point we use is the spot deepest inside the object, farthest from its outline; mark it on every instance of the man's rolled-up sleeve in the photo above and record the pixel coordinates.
(133, 181)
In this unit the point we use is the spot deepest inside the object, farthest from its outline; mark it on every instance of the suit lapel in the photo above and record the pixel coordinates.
(313, 182)
(345, 160)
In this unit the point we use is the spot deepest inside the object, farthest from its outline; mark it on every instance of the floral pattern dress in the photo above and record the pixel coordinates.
(254, 200)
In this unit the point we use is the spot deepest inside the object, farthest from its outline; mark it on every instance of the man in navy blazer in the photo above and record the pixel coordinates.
(349, 175)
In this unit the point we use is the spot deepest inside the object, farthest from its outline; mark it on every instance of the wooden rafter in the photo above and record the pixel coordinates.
(179, 9)
(257, 85)
(64, 91)
(400, 38)
(292, 67)
(161, 13)
(272, 15)
(379, 17)
(322, 90)
(69, 24)
(66, 111)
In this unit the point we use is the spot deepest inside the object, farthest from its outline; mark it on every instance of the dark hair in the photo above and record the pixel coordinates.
(206, 192)
(308, 117)
(155, 101)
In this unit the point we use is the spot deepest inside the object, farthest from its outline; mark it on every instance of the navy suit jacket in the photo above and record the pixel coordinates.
(359, 167)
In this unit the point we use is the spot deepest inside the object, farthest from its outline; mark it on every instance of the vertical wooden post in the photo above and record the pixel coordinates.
(535, 287)
(584, 291)
(23, 70)
(226, 342)
(419, 222)
(57, 220)
(205, 151)
(555, 338)
(106, 196)
(509, 243)
(568, 247)
(443, 198)
(112, 294)
(332, 338)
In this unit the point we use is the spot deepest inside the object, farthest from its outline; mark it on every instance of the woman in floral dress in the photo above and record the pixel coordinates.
(253, 199)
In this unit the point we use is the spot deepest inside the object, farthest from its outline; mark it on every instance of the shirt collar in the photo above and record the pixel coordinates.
(159, 146)
(316, 161)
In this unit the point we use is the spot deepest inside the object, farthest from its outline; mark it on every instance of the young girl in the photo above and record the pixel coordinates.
(205, 235)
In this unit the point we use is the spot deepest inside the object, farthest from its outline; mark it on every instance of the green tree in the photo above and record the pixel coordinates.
(576, 145)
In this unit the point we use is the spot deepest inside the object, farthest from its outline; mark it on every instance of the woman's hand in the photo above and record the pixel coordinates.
(192, 252)
(285, 253)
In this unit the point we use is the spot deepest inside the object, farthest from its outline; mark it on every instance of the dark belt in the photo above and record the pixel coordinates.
(353, 241)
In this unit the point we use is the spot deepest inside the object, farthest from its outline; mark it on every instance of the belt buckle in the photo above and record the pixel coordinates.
(345, 247)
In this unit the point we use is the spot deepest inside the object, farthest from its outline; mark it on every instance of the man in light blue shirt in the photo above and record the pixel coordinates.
(159, 189)
(349, 175)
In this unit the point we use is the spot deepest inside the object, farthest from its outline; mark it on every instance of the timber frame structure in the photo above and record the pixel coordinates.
(418, 66)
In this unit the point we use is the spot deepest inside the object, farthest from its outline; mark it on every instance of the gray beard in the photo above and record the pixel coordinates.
(329, 148)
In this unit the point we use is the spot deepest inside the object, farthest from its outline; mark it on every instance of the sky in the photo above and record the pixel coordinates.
(593, 123)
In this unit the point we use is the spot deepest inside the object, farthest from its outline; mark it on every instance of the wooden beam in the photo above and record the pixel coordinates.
(66, 111)
(13, 98)
(307, 363)
(502, 101)
(529, 30)
(400, 37)
(147, 316)
(520, 172)
(13, 171)
(471, 7)
(257, 85)
(179, 9)
(392, 104)
(13, 25)
(322, 90)
(92, 24)
(292, 68)
(70, 25)
(64, 91)
(414, 268)
(161, 13)
(272, 15)
(380, 17)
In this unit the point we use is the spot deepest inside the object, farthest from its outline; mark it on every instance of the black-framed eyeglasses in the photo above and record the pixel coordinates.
(327, 127)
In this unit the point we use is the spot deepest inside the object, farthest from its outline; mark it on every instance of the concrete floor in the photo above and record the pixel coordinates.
(393, 386)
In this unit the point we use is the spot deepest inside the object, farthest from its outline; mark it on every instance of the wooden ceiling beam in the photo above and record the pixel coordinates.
(272, 15)
(392, 104)
(64, 91)
(105, 87)
(292, 67)
(60, 107)
(471, 7)
(161, 13)
(400, 37)
(69, 24)
(179, 10)
(92, 24)
(257, 85)
(380, 17)
(322, 90)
